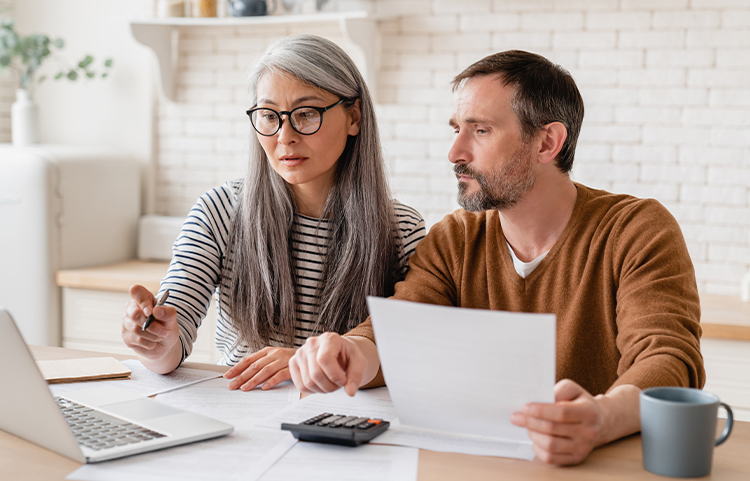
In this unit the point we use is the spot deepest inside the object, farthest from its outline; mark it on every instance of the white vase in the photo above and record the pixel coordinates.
(24, 119)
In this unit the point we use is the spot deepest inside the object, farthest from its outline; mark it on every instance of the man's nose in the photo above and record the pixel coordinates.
(459, 152)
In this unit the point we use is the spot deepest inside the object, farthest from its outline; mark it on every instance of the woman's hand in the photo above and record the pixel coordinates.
(157, 345)
(269, 367)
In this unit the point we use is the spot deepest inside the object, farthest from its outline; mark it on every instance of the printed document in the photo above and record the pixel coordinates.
(243, 455)
(327, 462)
(214, 399)
(456, 375)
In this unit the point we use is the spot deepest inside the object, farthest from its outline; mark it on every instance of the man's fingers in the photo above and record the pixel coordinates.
(281, 376)
(356, 366)
(328, 358)
(550, 428)
(317, 378)
(569, 412)
(562, 459)
(567, 390)
(295, 372)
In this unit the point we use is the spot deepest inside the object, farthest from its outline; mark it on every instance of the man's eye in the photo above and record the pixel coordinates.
(481, 131)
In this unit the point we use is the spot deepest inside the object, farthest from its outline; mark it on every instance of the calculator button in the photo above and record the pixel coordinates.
(329, 420)
(342, 421)
(317, 418)
(374, 421)
(364, 425)
(354, 422)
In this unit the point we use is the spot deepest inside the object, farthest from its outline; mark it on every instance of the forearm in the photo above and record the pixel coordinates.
(167, 362)
(370, 351)
(619, 413)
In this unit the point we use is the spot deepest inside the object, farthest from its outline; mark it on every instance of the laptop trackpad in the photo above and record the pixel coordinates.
(140, 409)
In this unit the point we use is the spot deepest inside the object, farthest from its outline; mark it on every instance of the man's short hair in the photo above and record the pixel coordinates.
(544, 93)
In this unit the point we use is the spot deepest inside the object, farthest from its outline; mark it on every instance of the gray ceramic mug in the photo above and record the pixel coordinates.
(678, 429)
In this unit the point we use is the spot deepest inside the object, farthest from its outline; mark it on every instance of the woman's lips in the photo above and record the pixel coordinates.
(291, 161)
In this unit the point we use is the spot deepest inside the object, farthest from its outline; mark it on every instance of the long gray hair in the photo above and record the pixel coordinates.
(361, 255)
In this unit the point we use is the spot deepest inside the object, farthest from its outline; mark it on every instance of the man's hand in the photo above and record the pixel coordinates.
(330, 361)
(565, 432)
(269, 367)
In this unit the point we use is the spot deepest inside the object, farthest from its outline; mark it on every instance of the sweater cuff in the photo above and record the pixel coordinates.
(365, 330)
(659, 370)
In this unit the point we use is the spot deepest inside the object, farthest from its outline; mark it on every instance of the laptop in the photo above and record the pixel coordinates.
(90, 425)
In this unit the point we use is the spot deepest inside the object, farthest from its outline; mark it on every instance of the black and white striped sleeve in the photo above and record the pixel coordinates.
(197, 258)
(411, 229)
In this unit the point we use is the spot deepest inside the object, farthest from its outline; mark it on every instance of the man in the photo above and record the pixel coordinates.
(613, 268)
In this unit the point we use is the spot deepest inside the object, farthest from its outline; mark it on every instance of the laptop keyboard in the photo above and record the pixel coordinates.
(97, 430)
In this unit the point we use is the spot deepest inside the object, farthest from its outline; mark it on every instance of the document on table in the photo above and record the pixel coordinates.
(326, 462)
(457, 374)
(143, 381)
(214, 399)
(243, 455)
(371, 402)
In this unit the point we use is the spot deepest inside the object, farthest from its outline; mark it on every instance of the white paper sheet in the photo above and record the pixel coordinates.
(371, 402)
(243, 455)
(463, 371)
(143, 381)
(214, 399)
(325, 462)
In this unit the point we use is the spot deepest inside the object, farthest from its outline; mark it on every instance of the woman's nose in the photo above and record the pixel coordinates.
(287, 135)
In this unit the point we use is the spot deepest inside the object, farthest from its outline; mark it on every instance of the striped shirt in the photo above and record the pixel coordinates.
(199, 268)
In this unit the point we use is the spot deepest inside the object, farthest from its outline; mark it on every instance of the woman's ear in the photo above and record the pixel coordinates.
(553, 137)
(355, 116)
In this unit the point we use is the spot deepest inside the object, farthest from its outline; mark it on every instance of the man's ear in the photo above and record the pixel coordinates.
(355, 114)
(552, 138)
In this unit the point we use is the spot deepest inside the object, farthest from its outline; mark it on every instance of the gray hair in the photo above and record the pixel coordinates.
(361, 256)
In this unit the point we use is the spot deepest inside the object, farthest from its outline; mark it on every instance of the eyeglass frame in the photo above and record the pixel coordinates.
(288, 113)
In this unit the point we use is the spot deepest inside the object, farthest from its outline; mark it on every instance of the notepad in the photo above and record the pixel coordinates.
(85, 369)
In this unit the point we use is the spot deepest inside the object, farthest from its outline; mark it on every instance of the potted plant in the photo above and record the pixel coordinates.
(23, 56)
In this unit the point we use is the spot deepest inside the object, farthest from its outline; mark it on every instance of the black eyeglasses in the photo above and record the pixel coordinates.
(304, 120)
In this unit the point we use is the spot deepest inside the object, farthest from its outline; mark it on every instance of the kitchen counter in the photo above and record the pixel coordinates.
(723, 317)
(115, 277)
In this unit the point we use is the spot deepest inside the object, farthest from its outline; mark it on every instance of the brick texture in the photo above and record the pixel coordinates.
(666, 85)
(7, 88)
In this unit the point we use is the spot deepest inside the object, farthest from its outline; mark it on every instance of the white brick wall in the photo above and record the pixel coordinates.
(666, 85)
(7, 86)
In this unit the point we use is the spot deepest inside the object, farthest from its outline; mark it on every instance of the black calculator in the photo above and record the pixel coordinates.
(337, 429)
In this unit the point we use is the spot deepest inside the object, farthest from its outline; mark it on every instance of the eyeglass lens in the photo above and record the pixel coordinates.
(304, 120)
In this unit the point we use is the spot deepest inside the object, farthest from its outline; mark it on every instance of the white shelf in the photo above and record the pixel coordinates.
(162, 35)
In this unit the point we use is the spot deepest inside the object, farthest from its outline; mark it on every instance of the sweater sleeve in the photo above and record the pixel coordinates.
(658, 308)
(433, 269)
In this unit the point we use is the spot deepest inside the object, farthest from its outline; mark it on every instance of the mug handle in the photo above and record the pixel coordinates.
(727, 426)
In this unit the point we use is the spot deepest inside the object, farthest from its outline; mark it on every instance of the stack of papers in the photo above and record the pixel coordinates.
(85, 369)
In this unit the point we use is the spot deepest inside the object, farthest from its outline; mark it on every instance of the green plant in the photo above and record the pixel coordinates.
(24, 56)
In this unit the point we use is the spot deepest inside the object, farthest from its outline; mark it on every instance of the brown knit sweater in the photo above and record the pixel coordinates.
(619, 280)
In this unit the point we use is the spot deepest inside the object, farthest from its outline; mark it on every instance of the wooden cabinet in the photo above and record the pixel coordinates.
(94, 302)
(726, 351)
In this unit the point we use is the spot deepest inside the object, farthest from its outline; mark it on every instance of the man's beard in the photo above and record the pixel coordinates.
(498, 189)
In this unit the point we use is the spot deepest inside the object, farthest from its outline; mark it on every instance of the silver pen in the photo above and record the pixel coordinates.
(160, 302)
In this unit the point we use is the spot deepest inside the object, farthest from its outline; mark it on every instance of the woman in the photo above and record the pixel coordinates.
(292, 250)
